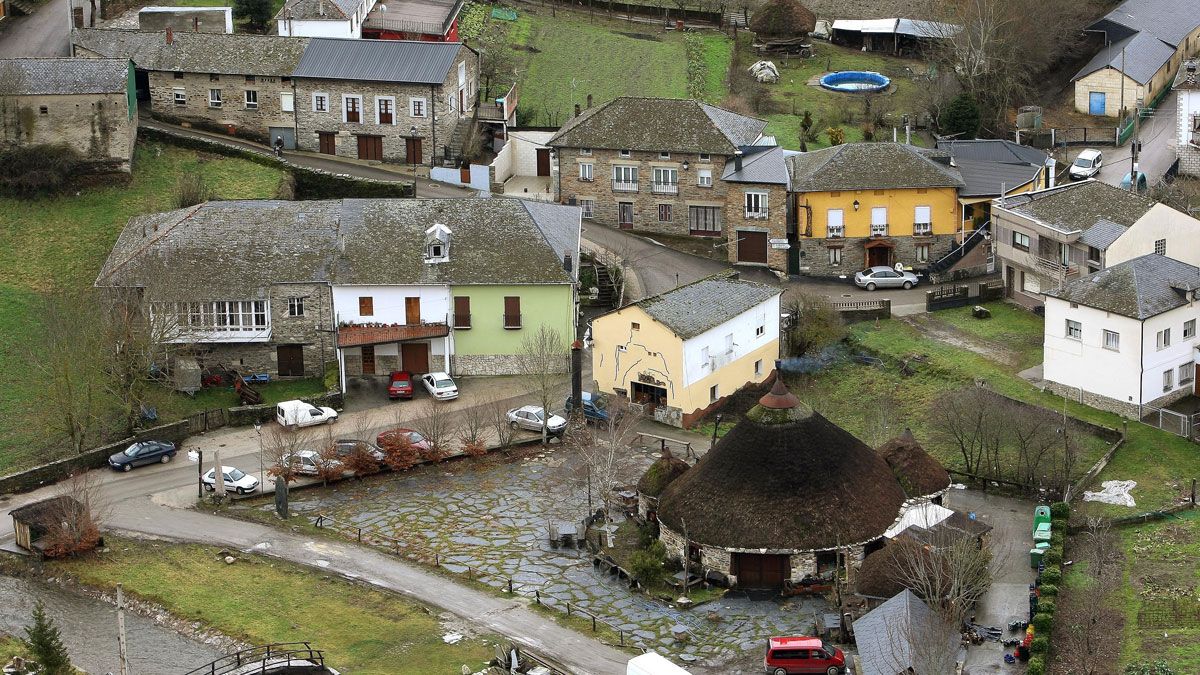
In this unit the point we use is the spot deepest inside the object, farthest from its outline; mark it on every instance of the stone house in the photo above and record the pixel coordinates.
(371, 285)
(756, 214)
(389, 100)
(1187, 135)
(87, 104)
(859, 205)
(323, 18)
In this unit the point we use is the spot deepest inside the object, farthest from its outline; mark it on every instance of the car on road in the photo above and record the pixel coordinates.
(440, 386)
(532, 417)
(400, 384)
(797, 655)
(1141, 182)
(296, 414)
(345, 447)
(1086, 165)
(396, 436)
(882, 276)
(595, 406)
(306, 462)
(142, 453)
(234, 478)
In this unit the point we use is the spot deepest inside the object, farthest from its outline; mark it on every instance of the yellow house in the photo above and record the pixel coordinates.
(864, 204)
(678, 355)
(994, 167)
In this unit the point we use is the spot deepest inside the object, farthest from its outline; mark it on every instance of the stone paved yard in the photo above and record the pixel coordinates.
(492, 515)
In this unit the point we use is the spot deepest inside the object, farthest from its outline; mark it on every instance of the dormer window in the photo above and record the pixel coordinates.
(437, 244)
(437, 251)
(625, 154)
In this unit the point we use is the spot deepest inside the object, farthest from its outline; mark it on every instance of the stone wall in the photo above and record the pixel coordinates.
(1189, 159)
(802, 565)
(716, 560)
(1123, 408)
(97, 126)
(486, 364)
(233, 113)
(815, 261)
(774, 225)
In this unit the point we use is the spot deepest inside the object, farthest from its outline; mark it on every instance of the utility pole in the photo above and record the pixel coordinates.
(124, 657)
(1134, 147)
(1122, 81)
(685, 557)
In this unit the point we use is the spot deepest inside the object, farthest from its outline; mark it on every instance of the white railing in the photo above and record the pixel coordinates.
(836, 231)
(624, 186)
(664, 188)
(758, 214)
(879, 230)
(922, 229)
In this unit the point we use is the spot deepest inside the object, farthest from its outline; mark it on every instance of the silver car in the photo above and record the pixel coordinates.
(881, 276)
(530, 417)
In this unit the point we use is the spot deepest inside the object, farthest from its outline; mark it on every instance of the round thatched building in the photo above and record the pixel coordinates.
(780, 495)
(921, 476)
(658, 476)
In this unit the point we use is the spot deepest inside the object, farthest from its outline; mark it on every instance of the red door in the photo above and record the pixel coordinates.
(370, 147)
(412, 151)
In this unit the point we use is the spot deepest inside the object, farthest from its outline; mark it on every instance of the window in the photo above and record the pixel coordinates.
(835, 256)
(416, 107)
(1164, 338)
(287, 101)
(249, 79)
(714, 393)
(586, 152)
(756, 204)
(633, 325)
(666, 181)
(1189, 329)
(585, 171)
(704, 177)
(214, 98)
(251, 99)
(1112, 340)
(213, 77)
(1093, 254)
(366, 306)
(1020, 240)
(512, 311)
(664, 155)
(352, 109)
(704, 157)
(436, 251)
(758, 368)
(758, 332)
(45, 110)
(664, 213)
(625, 178)
(1160, 247)
(705, 358)
(295, 306)
(180, 96)
(588, 206)
(462, 312)
(385, 110)
(224, 315)
(835, 225)
(1187, 373)
(1074, 330)
(922, 221)
(879, 221)
(625, 154)
(922, 253)
(704, 220)
(1168, 380)
(320, 102)
(179, 76)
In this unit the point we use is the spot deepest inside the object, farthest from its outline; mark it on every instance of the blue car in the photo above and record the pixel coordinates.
(595, 407)
(1141, 182)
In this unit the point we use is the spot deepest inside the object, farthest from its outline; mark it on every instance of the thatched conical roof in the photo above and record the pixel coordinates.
(783, 18)
(918, 472)
(665, 469)
(784, 478)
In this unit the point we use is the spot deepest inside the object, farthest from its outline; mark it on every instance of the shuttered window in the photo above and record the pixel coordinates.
(462, 312)
(512, 311)
(366, 306)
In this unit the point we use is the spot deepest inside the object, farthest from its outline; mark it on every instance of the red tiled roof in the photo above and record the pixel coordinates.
(358, 335)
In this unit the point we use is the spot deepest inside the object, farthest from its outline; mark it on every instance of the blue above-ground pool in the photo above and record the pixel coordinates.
(855, 81)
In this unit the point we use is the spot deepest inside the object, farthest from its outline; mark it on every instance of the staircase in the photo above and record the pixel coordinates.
(24, 6)
(462, 129)
(737, 17)
(608, 290)
(953, 257)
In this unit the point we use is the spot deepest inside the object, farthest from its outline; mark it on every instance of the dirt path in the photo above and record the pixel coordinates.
(935, 329)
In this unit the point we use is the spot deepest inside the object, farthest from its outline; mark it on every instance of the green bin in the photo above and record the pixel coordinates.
(1041, 532)
(1040, 515)
(1035, 557)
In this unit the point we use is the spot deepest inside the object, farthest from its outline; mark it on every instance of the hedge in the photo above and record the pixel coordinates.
(1053, 556)
(1042, 623)
(1052, 575)
(1046, 606)
(1040, 645)
(1048, 590)
(1060, 510)
(1036, 666)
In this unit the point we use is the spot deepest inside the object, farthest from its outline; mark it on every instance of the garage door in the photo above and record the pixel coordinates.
(755, 570)
(370, 147)
(752, 247)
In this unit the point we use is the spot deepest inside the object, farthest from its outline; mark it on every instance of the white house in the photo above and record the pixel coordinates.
(415, 317)
(1187, 139)
(323, 18)
(1124, 337)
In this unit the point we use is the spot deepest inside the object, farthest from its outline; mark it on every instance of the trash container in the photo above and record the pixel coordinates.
(1041, 532)
(1035, 557)
(1040, 515)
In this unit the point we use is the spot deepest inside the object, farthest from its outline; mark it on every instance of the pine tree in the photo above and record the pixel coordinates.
(45, 644)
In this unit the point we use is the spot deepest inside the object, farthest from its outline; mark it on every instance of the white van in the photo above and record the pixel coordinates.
(652, 663)
(296, 414)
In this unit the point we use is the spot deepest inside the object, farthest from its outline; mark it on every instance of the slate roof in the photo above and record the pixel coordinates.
(983, 178)
(318, 10)
(1076, 207)
(759, 165)
(885, 635)
(22, 77)
(1144, 56)
(1140, 288)
(1169, 20)
(378, 60)
(692, 309)
(867, 166)
(993, 150)
(223, 54)
(1102, 234)
(347, 241)
(659, 124)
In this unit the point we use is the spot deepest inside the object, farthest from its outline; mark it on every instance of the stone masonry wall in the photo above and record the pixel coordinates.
(1189, 159)
(814, 253)
(98, 126)
(250, 123)
(802, 565)
(1123, 408)
(486, 364)
(774, 225)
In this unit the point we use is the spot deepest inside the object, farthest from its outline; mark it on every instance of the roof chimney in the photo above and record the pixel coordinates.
(737, 160)
(577, 110)
(170, 36)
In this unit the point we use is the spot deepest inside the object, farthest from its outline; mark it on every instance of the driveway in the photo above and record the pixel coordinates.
(43, 33)
(1157, 133)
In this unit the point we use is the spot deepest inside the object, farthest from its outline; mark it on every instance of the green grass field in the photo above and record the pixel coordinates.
(61, 242)
(261, 600)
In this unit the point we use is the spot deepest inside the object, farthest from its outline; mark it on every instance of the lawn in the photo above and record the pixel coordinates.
(211, 398)
(261, 600)
(61, 242)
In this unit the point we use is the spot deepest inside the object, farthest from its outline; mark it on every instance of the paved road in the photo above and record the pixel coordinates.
(43, 33)
(1157, 133)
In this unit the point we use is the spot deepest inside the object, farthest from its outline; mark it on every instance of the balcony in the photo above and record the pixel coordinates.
(879, 229)
(836, 231)
(357, 334)
(756, 214)
(922, 229)
(624, 186)
(664, 188)
(1055, 268)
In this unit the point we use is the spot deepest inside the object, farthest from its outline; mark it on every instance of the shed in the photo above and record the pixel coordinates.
(903, 635)
(32, 521)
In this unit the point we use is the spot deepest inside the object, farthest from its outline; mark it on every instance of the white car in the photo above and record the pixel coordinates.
(1086, 165)
(235, 479)
(306, 462)
(440, 386)
(296, 414)
(531, 417)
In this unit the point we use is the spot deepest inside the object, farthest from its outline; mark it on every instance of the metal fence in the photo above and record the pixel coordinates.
(961, 295)
(1180, 424)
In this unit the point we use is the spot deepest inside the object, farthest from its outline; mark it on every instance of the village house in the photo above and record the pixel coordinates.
(859, 205)
(374, 285)
(390, 100)
(903, 635)
(89, 105)
(991, 168)
(323, 18)
(678, 355)
(1124, 338)
(426, 20)
(1187, 138)
(1144, 42)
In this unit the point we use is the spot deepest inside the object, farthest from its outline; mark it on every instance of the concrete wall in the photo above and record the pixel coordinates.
(388, 303)
(98, 126)
(1187, 110)
(330, 28)
(186, 19)
(480, 176)
(233, 112)
(1161, 222)
(1109, 81)
(487, 347)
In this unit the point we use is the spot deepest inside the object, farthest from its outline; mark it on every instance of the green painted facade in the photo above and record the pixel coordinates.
(550, 304)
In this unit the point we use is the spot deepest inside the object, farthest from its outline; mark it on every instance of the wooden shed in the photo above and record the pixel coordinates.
(32, 521)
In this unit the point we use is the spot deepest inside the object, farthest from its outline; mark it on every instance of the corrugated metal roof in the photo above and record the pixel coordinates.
(21, 77)
(927, 29)
(378, 60)
(866, 25)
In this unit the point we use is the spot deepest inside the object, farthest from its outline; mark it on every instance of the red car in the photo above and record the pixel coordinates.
(794, 655)
(392, 437)
(400, 384)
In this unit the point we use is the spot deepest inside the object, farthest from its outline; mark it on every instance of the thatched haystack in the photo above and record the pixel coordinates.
(918, 472)
(783, 19)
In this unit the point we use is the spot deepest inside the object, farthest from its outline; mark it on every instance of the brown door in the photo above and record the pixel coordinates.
(760, 571)
(370, 147)
(543, 161)
(1010, 279)
(414, 357)
(880, 255)
(412, 151)
(326, 142)
(290, 359)
(368, 360)
(625, 215)
(752, 247)
(412, 311)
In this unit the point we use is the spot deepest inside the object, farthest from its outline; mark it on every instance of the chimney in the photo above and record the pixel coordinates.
(737, 160)
(170, 36)
(589, 100)
(577, 110)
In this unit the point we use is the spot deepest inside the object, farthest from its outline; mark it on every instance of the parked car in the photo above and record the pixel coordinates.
(1141, 182)
(595, 407)
(306, 462)
(531, 417)
(296, 414)
(400, 384)
(882, 276)
(345, 447)
(440, 386)
(1086, 165)
(392, 437)
(793, 655)
(142, 453)
(234, 478)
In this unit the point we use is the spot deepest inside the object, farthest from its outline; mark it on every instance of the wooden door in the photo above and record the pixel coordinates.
(752, 247)
(368, 360)
(370, 147)
(412, 311)
(543, 161)
(625, 215)
(760, 571)
(880, 255)
(412, 151)
(414, 357)
(290, 359)
(327, 142)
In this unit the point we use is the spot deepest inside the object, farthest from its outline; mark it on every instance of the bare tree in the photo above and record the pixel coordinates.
(74, 518)
(279, 447)
(542, 360)
(813, 324)
(1032, 432)
(398, 450)
(950, 573)
(436, 426)
(926, 644)
(967, 421)
(473, 431)
(330, 466)
(496, 413)
(605, 450)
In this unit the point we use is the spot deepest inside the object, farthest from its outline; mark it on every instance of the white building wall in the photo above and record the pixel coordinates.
(743, 328)
(327, 28)
(1161, 222)
(1189, 155)
(1156, 361)
(388, 303)
(1086, 363)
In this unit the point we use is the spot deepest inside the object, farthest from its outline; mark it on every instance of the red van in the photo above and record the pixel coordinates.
(794, 655)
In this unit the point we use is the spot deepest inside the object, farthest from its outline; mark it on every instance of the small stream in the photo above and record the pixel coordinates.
(89, 630)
